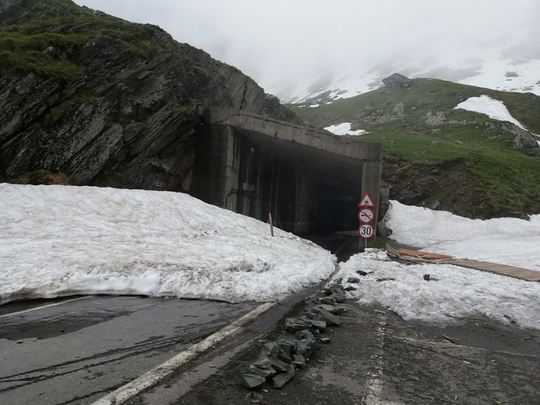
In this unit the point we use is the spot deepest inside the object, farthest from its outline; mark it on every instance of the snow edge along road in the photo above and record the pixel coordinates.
(153, 376)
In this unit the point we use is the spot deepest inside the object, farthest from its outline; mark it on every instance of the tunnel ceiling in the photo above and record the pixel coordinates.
(324, 167)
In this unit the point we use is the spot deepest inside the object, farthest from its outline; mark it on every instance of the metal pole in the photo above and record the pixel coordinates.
(271, 224)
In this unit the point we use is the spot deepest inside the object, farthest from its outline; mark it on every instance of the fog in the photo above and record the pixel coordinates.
(288, 43)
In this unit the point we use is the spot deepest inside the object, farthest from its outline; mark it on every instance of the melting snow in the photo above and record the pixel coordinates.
(493, 75)
(495, 109)
(456, 292)
(508, 241)
(80, 240)
(344, 129)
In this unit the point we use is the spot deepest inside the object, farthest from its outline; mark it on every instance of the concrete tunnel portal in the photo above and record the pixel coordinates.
(310, 180)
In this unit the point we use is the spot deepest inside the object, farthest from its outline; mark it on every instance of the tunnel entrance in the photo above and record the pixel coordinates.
(337, 210)
(311, 182)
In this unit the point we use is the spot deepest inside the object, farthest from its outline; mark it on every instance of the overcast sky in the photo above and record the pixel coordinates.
(283, 42)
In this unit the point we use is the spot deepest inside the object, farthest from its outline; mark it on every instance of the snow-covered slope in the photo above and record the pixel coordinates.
(492, 72)
(64, 240)
(494, 109)
(502, 240)
(452, 294)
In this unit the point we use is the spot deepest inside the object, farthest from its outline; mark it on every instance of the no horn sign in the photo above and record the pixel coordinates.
(366, 215)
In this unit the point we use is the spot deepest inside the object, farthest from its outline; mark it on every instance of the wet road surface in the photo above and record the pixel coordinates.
(375, 358)
(76, 350)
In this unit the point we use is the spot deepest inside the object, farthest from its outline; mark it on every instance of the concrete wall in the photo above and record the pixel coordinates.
(311, 183)
(236, 171)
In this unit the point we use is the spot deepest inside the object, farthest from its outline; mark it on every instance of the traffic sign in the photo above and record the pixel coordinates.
(366, 216)
(366, 201)
(367, 232)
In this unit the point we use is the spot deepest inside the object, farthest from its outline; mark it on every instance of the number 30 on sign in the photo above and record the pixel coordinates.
(367, 231)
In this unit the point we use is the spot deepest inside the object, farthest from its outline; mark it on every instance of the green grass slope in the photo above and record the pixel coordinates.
(426, 143)
(46, 37)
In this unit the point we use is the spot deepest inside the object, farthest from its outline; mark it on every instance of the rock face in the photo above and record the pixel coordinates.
(397, 81)
(106, 102)
(522, 139)
(5, 4)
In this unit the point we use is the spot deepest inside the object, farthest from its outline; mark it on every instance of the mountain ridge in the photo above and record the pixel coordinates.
(504, 72)
(442, 157)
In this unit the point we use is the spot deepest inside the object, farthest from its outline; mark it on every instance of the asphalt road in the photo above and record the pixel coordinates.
(76, 350)
(375, 358)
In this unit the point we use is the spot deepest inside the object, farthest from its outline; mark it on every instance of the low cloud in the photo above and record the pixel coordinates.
(290, 43)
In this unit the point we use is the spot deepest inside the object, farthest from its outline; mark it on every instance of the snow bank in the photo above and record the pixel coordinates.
(456, 292)
(344, 129)
(502, 240)
(495, 109)
(63, 240)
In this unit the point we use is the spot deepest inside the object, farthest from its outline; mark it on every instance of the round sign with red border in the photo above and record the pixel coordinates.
(367, 231)
(366, 216)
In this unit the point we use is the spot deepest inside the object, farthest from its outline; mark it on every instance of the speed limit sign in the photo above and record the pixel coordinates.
(367, 231)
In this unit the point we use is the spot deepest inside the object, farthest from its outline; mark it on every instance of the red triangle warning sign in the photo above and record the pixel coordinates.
(366, 201)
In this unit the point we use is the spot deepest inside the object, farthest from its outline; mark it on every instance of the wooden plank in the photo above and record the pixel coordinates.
(502, 269)
(417, 256)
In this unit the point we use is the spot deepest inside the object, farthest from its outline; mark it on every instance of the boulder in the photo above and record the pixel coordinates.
(317, 324)
(279, 366)
(327, 300)
(299, 361)
(293, 325)
(397, 81)
(329, 318)
(281, 379)
(263, 372)
(252, 381)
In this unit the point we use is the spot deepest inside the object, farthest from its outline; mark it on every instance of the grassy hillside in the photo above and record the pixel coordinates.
(422, 133)
(48, 36)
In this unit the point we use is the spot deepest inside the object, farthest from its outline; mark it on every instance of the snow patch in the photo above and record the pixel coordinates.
(510, 241)
(344, 129)
(492, 75)
(495, 109)
(58, 240)
(456, 293)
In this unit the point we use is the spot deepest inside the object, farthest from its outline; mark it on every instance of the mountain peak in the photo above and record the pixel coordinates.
(397, 81)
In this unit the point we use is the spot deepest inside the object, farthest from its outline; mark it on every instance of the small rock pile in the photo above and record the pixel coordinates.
(279, 360)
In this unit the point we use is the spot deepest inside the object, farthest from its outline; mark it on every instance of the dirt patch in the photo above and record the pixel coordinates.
(44, 177)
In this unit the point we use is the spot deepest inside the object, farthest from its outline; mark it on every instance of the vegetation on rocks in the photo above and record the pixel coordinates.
(45, 37)
(102, 101)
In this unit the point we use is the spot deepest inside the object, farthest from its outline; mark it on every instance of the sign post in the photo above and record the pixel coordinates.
(366, 216)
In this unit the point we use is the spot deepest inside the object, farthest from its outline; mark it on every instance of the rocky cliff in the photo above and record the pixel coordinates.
(90, 99)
